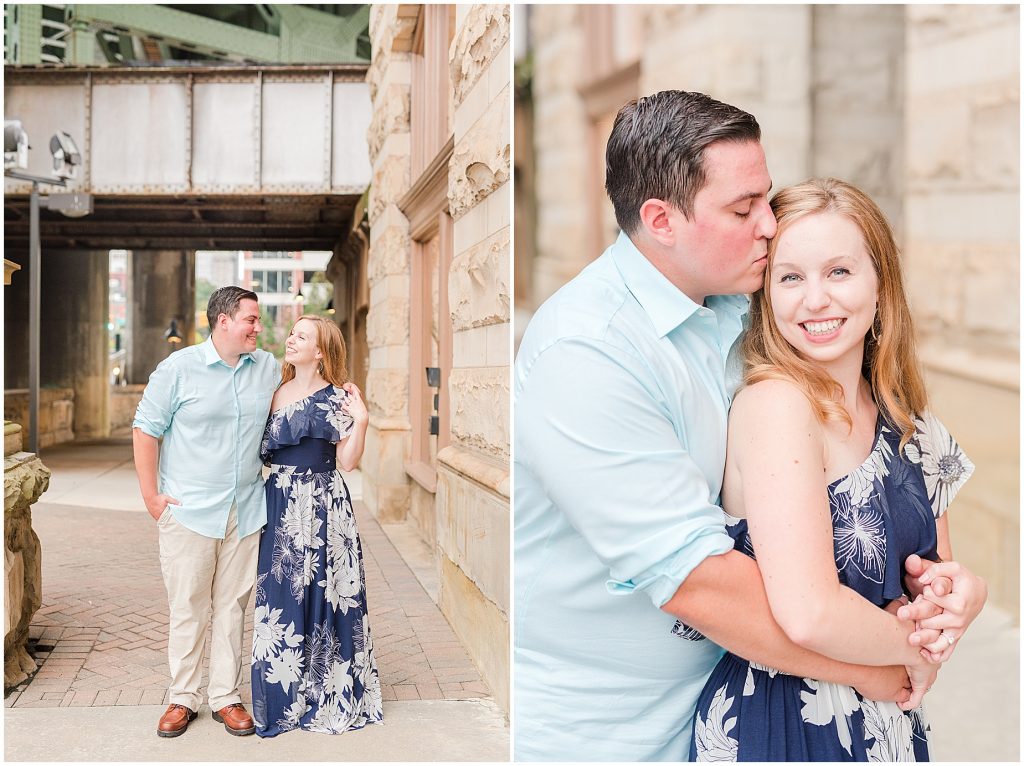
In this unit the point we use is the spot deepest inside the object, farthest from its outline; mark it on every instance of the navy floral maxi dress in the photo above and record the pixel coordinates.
(312, 656)
(882, 512)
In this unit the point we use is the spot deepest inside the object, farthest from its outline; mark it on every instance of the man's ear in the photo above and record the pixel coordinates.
(656, 220)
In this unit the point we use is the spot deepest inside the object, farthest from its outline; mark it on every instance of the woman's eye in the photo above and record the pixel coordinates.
(840, 271)
(743, 215)
(788, 278)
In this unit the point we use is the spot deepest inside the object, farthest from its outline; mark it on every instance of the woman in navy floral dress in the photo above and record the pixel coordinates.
(831, 375)
(313, 665)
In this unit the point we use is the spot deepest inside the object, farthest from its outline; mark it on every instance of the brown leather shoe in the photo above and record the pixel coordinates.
(235, 719)
(174, 721)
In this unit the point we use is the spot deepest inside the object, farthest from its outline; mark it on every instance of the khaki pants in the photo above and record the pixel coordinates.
(208, 582)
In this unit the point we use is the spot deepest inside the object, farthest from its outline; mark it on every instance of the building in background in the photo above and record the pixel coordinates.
(284, 282)
(918, 105)
(425, 278)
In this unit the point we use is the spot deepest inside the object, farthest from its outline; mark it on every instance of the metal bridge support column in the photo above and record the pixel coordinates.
(163, 287)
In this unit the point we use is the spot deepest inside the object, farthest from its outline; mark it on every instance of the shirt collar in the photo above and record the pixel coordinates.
(665, 304)
(211, 357)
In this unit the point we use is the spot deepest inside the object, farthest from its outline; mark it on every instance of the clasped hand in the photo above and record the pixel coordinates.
(947, 598)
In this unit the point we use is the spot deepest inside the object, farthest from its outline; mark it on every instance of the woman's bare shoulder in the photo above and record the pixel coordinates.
(768, 400)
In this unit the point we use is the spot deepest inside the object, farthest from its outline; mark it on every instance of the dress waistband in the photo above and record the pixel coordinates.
(326, 462)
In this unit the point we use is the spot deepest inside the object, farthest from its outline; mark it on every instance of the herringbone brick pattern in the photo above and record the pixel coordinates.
(101, 633)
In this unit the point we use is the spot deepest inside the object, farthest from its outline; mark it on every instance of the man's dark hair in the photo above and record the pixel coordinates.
(226, 300)
(656, 150)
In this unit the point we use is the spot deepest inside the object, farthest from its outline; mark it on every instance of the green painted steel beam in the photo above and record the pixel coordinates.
(300, 35)
(27, 32)
(156, 20)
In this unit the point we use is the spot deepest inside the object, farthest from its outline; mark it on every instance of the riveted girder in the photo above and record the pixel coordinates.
(243, 157)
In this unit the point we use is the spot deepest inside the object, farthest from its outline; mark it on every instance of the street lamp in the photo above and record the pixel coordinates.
(66, 161)
(172, 335)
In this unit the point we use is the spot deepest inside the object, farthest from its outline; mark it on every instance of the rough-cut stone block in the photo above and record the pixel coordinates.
(991, 291)
(423, 513)
(389, 254)
(478, 287)
(390, 115)
(480, 625)
(469, 347)
(961, 215)
(938, 134)
(995, 146)
(480, 162)
(473, 531)
(933, 291)
(479, 418)
(933, 23)
(56, 413)
(12, 438)
(124, 400)
(390, 182)
(477, 42)
(965, 61)
(385, 484)
(25, 479)
(387, 323)
(392, 503)
(387, 392)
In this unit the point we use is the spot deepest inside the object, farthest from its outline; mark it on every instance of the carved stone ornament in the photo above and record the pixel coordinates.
(25, 479)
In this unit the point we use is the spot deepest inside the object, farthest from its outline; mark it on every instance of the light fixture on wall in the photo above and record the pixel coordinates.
(330, 307)
(172, 335)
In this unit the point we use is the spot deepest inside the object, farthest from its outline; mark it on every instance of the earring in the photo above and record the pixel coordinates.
(876, 334)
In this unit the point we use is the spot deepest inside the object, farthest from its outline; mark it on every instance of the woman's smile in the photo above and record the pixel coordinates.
(822, 330)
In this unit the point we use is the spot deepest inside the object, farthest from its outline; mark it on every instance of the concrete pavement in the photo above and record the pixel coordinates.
(432, 730)
(101, 638)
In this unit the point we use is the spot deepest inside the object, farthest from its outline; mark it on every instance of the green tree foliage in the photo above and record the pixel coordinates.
(271, 337)
(320, 293)
(204, 289)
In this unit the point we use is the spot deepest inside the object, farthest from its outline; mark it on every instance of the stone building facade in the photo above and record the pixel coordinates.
(437, 304)
(918, 105)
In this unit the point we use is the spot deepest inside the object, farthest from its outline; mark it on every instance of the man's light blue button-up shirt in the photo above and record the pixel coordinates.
(622, 390)
(211, 418)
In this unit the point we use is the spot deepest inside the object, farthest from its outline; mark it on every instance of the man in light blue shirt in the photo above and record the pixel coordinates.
(209, 404)
(622, 388)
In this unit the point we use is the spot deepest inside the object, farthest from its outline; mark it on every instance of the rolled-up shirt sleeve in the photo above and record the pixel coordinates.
(593, 426)
(159, 401)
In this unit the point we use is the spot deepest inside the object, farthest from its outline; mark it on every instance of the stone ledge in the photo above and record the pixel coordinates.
(487, 473)
(389, 424)
(961, 363)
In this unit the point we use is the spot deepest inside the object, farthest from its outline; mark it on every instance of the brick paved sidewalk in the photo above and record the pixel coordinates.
(102, 630)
